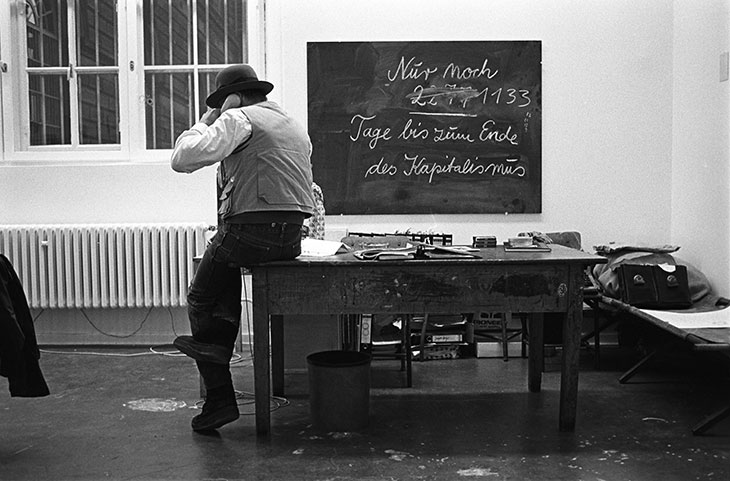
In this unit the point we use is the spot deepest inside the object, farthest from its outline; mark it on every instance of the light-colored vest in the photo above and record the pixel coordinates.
(273, 171)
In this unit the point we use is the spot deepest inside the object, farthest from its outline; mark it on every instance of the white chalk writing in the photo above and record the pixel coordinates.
(444, 111)
(373, 133)
(411, 131)
(368, 129)
(466, 73)
(381, 168)
(490, 133)
(419, 166)
(451, 133)
(411, 69)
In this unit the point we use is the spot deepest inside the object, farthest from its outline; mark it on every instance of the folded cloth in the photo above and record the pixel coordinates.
(613, 248)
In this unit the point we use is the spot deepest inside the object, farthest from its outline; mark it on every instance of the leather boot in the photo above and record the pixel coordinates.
(220, 408)
(201, 351)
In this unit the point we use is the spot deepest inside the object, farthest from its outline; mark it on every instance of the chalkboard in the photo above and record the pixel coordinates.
(426, 127)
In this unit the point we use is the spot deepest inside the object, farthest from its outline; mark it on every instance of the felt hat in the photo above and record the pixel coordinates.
(234, 79)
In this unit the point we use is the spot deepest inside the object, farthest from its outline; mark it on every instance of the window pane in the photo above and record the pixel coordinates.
(99, 108)
(169, 107)
(168, 32)
(221, 32)
(206, 82)
(49, 110)
(221, 37)
(47, 34)
(96, 32)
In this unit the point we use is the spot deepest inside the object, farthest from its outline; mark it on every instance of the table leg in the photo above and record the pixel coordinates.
(710, 421)
(261, 362)
(535, 354)
(571, 353)
(277, 355)
(507, 319)
(424, 327)
(406, 340)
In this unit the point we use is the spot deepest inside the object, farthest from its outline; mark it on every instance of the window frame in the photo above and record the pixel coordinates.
(14, 109)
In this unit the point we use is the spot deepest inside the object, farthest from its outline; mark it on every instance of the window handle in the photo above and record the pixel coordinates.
(71, 72)
(3, 67)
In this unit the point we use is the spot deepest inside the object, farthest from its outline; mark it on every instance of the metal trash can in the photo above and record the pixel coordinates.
(339, 390)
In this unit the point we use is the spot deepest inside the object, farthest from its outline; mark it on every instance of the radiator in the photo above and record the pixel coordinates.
(99, 266)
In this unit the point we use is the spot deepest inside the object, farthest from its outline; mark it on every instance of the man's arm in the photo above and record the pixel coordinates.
(210, 140)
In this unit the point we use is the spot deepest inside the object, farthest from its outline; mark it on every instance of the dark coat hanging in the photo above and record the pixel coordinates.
(19, 353)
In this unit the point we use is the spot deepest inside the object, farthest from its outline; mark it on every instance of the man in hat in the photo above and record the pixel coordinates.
(265, 195)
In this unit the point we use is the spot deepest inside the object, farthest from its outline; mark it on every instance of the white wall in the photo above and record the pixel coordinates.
(607, 102)
(611, 124)
(102, 193)
(700, 174)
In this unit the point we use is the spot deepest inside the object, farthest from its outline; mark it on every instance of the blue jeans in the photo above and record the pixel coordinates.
(214, 297)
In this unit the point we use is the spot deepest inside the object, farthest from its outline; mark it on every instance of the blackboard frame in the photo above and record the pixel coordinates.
(440, 127)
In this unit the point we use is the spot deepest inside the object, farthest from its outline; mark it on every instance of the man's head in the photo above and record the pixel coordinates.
(237, 79)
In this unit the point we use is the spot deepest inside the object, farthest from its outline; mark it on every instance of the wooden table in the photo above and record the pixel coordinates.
(524, 282)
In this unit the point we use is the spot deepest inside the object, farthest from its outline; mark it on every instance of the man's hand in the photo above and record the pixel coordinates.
(232, 101)
(210, 116)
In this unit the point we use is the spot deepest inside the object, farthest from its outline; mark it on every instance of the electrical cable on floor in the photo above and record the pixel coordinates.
(105, 354)
(152, 349)
(236, 358)
(39, 315)
(119, 336)
(172, 321)
(244, 398)
(277, 402)
(247, 397)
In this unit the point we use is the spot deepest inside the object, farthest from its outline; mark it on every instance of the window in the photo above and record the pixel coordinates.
(90, 79)
(71, 60)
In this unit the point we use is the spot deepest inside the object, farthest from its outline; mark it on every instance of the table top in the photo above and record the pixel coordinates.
(492, 255)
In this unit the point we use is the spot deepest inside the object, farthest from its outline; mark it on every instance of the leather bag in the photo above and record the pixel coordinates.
(654, 286)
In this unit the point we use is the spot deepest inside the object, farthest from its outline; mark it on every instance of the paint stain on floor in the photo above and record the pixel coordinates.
(155, 405)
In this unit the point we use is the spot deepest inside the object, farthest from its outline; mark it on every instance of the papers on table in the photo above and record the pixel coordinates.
(385, 254)
(321, 248)
(420, 251)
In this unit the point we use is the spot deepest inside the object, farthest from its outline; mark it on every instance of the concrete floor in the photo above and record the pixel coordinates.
(115, 417)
